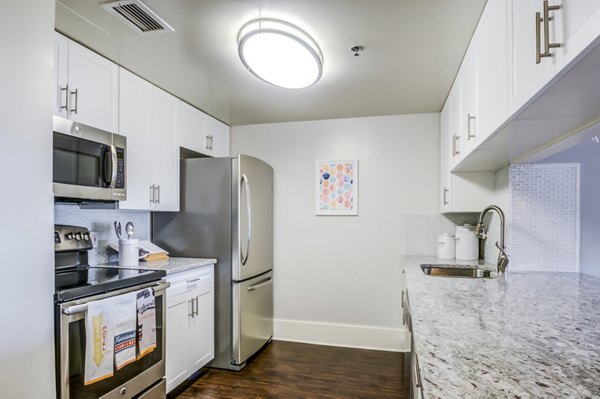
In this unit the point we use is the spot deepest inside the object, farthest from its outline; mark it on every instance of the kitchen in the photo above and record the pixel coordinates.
(344, 252)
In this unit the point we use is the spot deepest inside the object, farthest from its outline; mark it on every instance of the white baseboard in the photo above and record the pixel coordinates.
(344, 335)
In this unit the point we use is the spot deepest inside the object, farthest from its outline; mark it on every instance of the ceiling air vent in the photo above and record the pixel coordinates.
(138, 17)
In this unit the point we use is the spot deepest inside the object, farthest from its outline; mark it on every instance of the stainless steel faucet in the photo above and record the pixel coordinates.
(480, 232)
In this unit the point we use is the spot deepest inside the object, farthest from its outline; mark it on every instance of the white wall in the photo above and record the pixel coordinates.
(587, 154)
(338, 279)
(26, 307)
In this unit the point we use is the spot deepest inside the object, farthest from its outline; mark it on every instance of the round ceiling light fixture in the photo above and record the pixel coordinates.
(280, 53)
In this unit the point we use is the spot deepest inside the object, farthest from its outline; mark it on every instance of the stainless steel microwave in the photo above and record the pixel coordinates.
(88, 163)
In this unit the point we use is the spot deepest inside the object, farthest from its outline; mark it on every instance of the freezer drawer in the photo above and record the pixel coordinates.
(252, 316)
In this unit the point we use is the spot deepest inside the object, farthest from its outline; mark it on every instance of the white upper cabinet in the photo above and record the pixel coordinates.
(445, 155)
(491, 71)
(201, 133)
(459, 192)
(61, 74)
(468, 102)
(546, 37)
(578, 25)
(530, 69)
(455, 122)
(148, 118)
(217, 138)
(87, 85)
(191, 128)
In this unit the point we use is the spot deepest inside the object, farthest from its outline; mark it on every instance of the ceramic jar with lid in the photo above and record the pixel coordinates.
(467, 243)
(446, 246)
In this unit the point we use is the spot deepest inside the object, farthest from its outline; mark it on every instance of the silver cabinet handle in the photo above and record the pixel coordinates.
(245, 184)
(191, 302)
(152, 194)
(76, 93)
(538, 46)
(417, 372)
(470, 134)
(445, 196)
(263, 283)
(208, 142)
(455, 150)
(157, 189)
(545, 19)
(66, 90)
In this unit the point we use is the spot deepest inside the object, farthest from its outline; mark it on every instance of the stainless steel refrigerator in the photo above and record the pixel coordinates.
(227, 213)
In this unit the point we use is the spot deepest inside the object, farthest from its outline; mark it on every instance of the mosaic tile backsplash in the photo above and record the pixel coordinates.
(422, 230)
(102, 222)
(544, 224)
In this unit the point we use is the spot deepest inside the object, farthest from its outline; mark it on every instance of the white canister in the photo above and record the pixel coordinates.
(446, 246)
(467, 243)
(129, 252)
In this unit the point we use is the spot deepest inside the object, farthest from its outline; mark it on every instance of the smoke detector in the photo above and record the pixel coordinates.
(138, 17)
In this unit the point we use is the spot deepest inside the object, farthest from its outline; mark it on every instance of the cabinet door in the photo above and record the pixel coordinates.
(492, 69)
(201, 345)
(457, 142)
(527, 76)
(60, 74)
(93, 89)
(135, 100)
(177, 353)
(445, 152)
(191, 129)
(218, 138)
(578, 25)
(468, 107)
(164, 153)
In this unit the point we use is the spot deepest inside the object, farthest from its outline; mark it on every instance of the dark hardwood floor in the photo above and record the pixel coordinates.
(294, 370)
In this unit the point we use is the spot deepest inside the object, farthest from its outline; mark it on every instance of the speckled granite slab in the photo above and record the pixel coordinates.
(172, 265)
(523, 335)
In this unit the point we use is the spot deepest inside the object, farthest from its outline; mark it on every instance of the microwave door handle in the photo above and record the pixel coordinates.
(110, 167)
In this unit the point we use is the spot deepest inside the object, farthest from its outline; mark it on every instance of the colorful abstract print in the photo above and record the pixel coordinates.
(336, 186)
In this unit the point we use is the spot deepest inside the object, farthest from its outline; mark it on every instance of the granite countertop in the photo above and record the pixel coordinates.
(171, 265)
(521, 335)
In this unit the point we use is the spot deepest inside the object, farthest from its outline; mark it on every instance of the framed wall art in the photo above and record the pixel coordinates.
(336, 187)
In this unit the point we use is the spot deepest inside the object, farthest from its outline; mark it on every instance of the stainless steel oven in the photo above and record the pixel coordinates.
(88, 163)
(141, 379)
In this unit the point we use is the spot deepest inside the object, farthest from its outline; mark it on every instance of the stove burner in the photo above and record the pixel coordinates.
(74, 278)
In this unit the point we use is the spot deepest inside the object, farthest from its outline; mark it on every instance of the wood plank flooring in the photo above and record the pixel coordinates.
(295, 370)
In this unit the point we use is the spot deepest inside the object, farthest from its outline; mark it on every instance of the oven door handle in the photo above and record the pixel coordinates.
(82, 308)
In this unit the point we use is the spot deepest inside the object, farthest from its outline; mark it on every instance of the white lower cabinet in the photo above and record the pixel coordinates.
(190, 324)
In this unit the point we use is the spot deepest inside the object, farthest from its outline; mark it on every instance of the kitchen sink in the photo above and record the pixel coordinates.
(468, 271)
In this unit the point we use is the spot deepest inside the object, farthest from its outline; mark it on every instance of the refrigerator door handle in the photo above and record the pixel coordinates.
(261, 284)
(245, 183)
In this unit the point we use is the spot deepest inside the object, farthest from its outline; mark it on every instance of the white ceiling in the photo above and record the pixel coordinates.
(412, 51)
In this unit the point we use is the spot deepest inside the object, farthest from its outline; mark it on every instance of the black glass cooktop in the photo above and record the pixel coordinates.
(101, 280)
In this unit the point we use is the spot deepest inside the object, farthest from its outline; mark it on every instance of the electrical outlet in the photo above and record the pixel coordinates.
(94, 238)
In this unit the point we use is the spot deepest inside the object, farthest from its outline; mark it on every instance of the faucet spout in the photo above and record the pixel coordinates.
(503, 257)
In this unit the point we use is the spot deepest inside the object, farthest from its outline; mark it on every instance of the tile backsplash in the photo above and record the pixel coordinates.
(544, 219)
(102, 222)
(422, 230)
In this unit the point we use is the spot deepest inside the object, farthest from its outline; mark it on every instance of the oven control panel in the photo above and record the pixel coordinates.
(71, 238)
